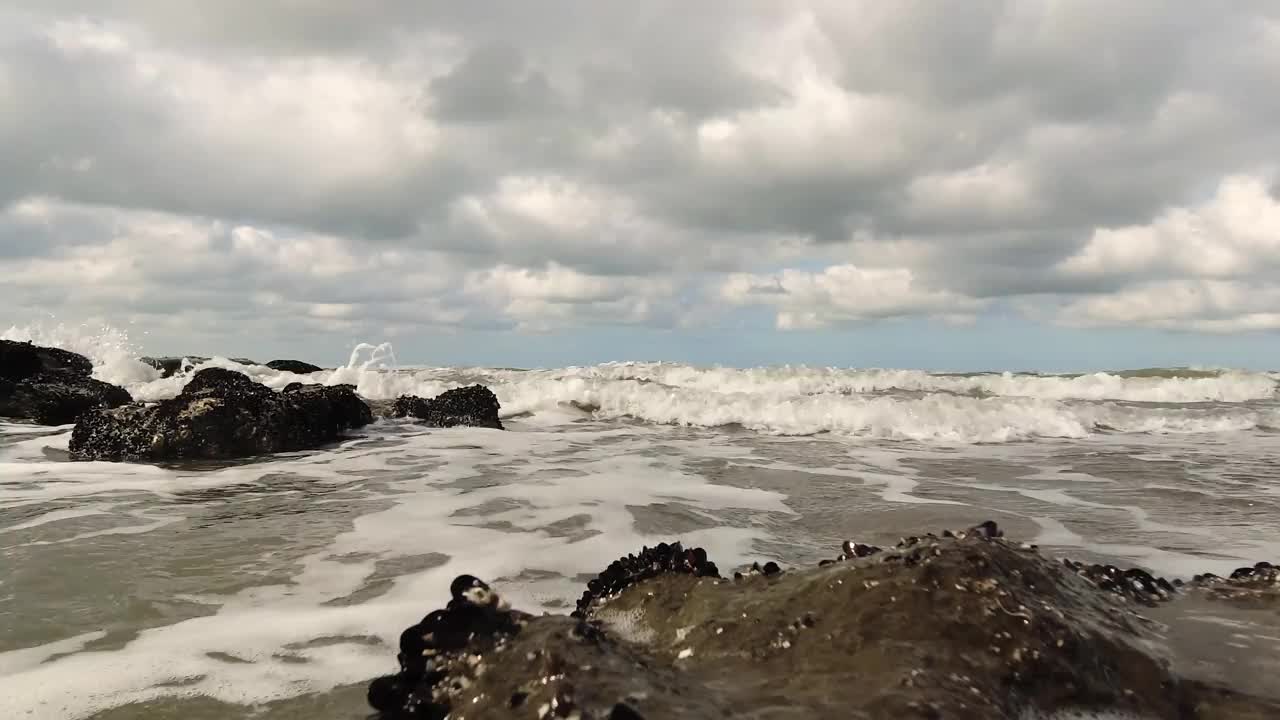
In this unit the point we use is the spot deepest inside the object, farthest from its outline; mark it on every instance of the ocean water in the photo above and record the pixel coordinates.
(276, 587)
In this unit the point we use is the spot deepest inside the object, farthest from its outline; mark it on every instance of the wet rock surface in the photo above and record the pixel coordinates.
(962, 625)
(51, 386)
(294, 366)
(57, 398)
(220, 414)
(473, 406)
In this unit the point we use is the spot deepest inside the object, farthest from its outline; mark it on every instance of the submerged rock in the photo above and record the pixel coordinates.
(962, 626)
(474, 406)
(294, 366)
(51, 386)
(221, 414)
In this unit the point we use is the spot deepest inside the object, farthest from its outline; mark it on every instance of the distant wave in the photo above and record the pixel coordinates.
(878, 403)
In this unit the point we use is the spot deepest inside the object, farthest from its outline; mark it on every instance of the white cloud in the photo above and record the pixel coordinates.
(994, 193)
(843, 293)
(557, 297)
(1236, 233)
(1202, 305)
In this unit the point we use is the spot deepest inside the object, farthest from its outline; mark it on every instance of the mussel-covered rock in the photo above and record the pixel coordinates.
(473, 406)
(965, 625)
(294, 366)
(221, 414)
(49, 385)
(651, 562)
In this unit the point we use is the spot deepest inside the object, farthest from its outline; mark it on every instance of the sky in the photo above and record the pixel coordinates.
(946, 184)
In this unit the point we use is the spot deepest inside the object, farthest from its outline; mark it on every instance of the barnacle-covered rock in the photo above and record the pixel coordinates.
(963, 625)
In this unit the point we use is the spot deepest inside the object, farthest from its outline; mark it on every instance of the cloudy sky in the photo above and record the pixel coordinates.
(924, 183)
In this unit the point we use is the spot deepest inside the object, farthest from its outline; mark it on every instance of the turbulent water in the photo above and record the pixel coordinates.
(279, 586)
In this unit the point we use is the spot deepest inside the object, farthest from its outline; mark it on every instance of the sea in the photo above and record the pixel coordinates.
(276, 587)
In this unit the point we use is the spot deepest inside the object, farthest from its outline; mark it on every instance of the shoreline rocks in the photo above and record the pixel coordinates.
(294, 366)
(51, 386)
(221, 414)
(472, 406)
(965, 625)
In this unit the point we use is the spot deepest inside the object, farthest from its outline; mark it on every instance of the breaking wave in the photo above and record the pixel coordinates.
(875, 403)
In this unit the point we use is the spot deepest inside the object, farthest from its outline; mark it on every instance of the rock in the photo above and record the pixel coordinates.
(220, 414)
(293, 366)
(58, 398)
(170, 366)
(965, 626)
(21, 360)
(474, 406)
(51, 386)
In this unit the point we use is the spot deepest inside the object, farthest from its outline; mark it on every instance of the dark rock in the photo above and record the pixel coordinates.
(974, 627)
(21, 360)
(57, 398)
(170, 366)
(49, 385)
(220, 414)
(474, 406)
(293, 366)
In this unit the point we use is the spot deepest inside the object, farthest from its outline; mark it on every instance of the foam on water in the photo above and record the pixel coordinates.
(892, 404)
(591, 450)
(494, 530)
(1193, 386)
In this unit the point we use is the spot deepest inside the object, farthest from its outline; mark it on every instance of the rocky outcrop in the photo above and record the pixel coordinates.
(474, 406)
(57, 398)
(21, 360)
(51, 386)
(170, 366)
(964, 626)
(221, 414)
(294, 366)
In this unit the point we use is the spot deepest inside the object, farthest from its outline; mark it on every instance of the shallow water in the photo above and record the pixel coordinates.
(278, 586)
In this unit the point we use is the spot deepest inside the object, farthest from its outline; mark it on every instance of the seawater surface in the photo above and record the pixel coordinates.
(276, 587)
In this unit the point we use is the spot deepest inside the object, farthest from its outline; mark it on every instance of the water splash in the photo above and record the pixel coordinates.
(377, 360)
(113, 354)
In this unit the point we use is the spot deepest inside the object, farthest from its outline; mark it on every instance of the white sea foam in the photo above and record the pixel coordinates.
(535, 508)
(264, 626)
(893, 404)
(1194, 386)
